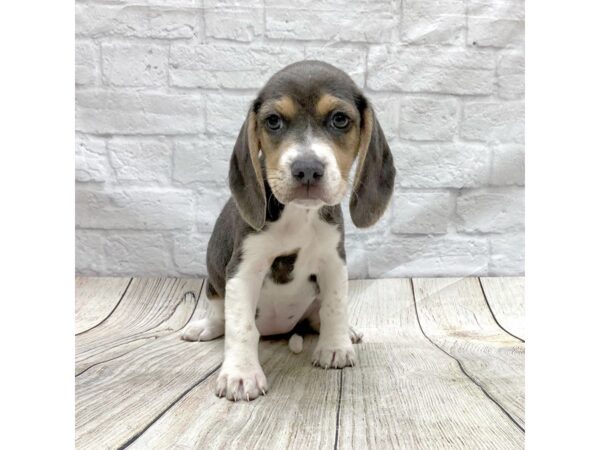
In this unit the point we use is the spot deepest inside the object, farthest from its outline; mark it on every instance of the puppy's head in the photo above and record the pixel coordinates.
(301, 136)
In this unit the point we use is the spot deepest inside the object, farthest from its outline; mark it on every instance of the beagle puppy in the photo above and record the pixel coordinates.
(276, 256)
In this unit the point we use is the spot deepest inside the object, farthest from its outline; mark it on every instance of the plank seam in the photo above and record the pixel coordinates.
(111, 312)
(338, 411)
(493, 315)
(462, 369)
(136, 436)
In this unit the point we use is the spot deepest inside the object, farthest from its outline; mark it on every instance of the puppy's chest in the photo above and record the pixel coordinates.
(301, 245)
(288, 290)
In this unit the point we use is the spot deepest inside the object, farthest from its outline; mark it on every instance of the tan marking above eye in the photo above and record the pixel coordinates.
(327, 103)
(284, 106)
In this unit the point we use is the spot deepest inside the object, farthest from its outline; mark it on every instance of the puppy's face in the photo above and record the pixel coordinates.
(304, 130)
(309, 134)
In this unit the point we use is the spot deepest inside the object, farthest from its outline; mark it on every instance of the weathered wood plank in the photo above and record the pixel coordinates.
(150, 308)
(455, 316)
(298, 412)
(117, 399)
(506, 297)
(95, 299)
(405, 392)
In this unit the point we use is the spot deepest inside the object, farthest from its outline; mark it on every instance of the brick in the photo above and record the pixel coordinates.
(491, 32)
(508, 165)
(507, 254)
(353, 61)
(211, 201)
(107, 112)
(91, 163)
(425, 256)
(511, 76)
(134, 64)
(136, 21)
(359, 21)
(86, 63)
(135, 208)
(433, 22)
(138, 253)
(441, 165)
(226, 113)
(503, 9)
(140, 160)
(189, 253)
(234, 20)
(210, 65)
(494, 121)
(204, 160)
(356, 259)
(496, 24)
(421, 212)
(426, 69)
(89, 253)
(428, 118)
(488, 211)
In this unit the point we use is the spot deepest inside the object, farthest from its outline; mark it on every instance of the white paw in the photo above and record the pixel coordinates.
(203, 330)
(355, 335)
(241, 383)
(334, 355)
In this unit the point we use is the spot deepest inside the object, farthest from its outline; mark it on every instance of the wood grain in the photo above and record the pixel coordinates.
(299, 410)
(142, 387)
(405, 392)
(506, 297)
(95, 299)
(150, 308)
(454, 315)
(118, 399)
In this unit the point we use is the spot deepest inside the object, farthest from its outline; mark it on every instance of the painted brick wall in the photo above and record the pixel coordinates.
(163, 87)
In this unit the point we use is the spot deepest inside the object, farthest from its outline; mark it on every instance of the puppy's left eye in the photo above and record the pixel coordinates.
(340, 121)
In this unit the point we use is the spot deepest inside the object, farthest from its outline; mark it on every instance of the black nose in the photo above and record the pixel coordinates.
(307, 170)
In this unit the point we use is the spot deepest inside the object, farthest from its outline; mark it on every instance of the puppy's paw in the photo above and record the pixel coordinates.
(241, 383)
(331, 355)
(203, 330)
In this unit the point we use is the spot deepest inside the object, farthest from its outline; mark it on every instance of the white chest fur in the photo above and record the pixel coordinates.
(299, 231)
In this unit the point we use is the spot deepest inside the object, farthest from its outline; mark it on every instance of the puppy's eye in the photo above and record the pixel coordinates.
(274, 122)
(340, 121)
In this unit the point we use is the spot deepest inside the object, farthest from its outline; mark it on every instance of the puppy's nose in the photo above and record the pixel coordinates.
(307, 170)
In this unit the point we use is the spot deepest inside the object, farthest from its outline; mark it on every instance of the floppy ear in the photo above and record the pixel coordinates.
(245, 176)
(375, 173)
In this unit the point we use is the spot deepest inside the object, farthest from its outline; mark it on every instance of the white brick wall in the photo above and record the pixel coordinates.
(163, 87)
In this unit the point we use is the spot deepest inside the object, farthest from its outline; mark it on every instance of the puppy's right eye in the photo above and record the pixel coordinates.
(274, 122)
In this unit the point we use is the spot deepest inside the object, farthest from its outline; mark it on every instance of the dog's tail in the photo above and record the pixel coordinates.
(295, 343)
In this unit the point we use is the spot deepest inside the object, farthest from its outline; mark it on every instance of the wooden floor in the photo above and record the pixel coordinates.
(441, 365)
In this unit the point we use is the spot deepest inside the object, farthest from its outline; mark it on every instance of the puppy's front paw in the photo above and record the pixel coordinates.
(203, 330)
(241, 384)
(331, 355)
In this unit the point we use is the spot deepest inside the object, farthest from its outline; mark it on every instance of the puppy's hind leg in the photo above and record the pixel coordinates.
(211, 326)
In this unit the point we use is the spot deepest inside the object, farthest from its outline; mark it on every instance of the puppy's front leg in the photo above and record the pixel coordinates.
(241, 375)
(334, 348)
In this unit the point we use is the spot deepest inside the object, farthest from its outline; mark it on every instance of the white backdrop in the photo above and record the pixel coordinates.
(163, 87)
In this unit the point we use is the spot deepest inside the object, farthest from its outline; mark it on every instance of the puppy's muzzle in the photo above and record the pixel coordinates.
(308, 172)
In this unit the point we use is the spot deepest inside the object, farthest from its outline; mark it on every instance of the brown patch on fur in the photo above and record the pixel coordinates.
(365, 140)
(282, 268)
